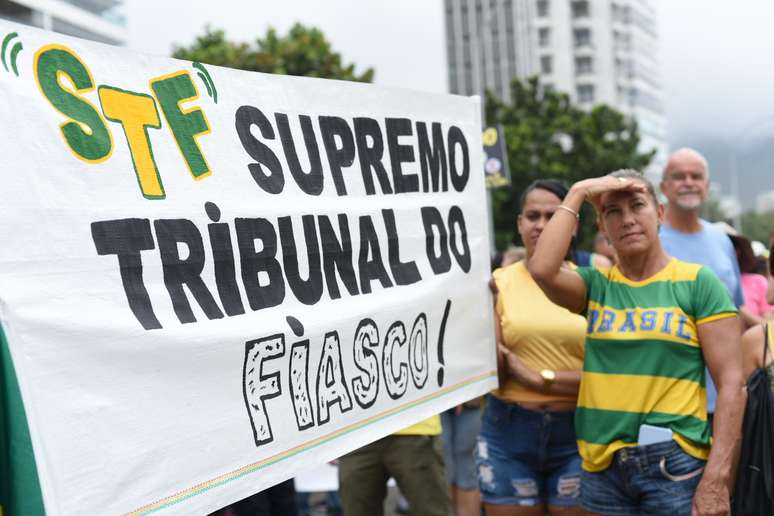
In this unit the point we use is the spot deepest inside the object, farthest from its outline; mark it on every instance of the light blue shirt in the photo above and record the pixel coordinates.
(711, 247)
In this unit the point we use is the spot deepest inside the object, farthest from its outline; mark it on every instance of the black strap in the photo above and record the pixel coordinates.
(765, 342)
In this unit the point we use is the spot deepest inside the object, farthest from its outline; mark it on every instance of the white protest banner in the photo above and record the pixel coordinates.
(211, 279)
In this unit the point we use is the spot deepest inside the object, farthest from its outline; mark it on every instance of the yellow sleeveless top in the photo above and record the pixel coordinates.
(543, 335)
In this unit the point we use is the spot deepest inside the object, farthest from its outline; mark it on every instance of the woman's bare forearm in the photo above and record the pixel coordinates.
(727, 433)
(556, 237)
(562, 286)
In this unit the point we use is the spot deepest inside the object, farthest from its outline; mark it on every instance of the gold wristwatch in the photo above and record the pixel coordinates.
(548, 377)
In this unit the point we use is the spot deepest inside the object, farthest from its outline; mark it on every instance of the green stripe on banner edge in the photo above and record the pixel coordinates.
(19, 486)
(185, 494)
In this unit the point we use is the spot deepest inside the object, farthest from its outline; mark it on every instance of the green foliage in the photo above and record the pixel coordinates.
(302, 51)
(712, 211)
(757, 226)
(549, 137)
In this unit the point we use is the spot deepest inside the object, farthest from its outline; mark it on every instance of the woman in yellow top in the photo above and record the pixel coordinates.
(527, 456)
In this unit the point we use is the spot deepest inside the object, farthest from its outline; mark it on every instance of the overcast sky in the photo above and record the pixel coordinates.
(717, 57)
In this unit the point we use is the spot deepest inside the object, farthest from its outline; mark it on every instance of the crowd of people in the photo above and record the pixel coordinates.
(622, 371)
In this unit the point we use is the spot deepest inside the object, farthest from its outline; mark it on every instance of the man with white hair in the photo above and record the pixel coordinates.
(687, 237)
(684, 234)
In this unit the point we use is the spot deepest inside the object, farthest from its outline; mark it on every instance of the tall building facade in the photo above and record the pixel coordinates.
(97, 20)
(597, 51)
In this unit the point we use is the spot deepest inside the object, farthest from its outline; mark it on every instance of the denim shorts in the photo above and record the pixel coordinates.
(527, 457)
(459, 442)
(656, 479)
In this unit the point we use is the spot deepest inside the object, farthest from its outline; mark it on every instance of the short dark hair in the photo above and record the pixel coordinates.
(553, 186)
(630, 173)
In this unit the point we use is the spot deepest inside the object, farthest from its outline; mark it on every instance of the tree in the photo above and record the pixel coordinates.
(302, 51)
(549, 137)
(713, 211)
(757, 226)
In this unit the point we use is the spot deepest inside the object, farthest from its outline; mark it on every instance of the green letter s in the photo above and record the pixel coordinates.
(86, 133)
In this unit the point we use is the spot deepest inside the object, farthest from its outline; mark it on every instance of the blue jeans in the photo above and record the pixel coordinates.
(654, 480)
(527, 457)
(459, 442)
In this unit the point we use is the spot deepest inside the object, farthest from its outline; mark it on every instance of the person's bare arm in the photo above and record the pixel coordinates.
(752, 350)
(563, 286)
(565, 382)
(720, 343)
(749, 319)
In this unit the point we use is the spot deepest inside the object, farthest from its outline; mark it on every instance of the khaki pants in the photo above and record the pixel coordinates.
(414, 461)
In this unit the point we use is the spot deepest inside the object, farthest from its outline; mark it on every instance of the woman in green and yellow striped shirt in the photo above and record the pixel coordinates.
(653, 324)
